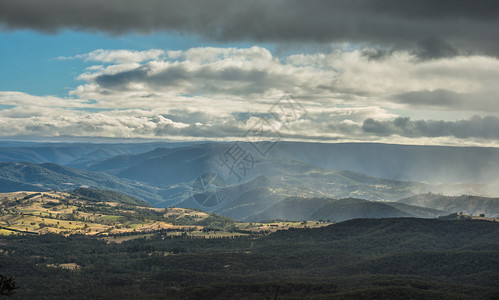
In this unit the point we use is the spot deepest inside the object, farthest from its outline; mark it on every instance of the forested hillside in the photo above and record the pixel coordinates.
(364, 258)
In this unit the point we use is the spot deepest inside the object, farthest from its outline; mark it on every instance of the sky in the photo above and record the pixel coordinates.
(406, 72)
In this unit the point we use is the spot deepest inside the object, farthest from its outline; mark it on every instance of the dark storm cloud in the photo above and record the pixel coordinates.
(204, 79)
(120, 80)
(429, 28)
(476, 127)
(484, 101)
(430, 98)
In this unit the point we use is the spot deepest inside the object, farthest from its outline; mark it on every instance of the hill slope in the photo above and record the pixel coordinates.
(107, 213)
(42, 177)
(400, 258)
(296, 208)
(95, 212)
(472, 205)
(107, 196)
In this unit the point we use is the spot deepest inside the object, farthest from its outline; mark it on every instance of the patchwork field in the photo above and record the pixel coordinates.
(69, 213)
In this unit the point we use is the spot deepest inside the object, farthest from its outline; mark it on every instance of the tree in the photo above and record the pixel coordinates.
(7, 285)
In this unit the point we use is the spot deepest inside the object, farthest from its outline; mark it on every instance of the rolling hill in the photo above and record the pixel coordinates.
(472, 205)
(107, 196)
(91, 212)
(18, 176)
(338, 210)
(104, 213)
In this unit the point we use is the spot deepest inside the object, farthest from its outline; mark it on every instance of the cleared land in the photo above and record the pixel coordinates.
(67, 214)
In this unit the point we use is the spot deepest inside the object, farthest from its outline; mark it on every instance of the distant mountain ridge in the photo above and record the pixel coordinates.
(436, 164)
(398, 162)
(78, 155)
(432, 164)
(337, 210)
(467, 204)
(447, 169)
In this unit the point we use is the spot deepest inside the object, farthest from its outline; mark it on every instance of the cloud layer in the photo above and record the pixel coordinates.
(398, 80)
(476, 127)
(220, 93)
(430, 29)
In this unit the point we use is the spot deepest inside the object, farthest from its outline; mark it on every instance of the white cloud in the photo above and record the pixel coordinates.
(331, 78)
(118, 56)
(24, 99)
(218, 93)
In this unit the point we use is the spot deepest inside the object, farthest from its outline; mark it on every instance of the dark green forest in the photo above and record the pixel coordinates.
(403, 258)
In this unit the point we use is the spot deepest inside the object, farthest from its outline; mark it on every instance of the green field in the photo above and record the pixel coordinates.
(69, 214)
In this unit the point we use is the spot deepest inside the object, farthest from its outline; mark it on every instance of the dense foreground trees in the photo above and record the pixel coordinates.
(358, 259)
(7, 285)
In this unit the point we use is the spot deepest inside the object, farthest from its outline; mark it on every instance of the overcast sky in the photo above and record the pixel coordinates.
(410, 72)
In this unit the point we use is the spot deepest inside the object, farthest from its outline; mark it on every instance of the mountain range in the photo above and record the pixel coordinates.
(437, 164)
(292, 181)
